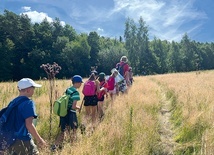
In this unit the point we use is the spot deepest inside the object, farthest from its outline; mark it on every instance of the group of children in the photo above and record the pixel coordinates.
(95, 90)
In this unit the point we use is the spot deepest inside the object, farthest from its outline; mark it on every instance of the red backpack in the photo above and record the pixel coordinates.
(101, 93)
(89, 88)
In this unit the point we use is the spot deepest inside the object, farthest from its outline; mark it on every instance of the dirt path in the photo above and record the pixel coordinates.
(166, 130)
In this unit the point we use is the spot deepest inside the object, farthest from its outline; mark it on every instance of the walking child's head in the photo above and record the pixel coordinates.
(93, 76)
(114, 72)
(101, 77)
(124, 59)
(26, 87)
(77, 81)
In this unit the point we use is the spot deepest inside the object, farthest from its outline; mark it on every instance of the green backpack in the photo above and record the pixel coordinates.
(60, 106)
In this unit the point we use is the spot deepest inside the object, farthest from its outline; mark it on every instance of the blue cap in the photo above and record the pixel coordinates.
(77, 79)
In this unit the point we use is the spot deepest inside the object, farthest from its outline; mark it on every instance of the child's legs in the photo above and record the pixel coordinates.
(73, 123)
(60, 138)
(87, 113)
(63, 125)
(93, 114)
(100, 108)
(112, 95)
(73, 135)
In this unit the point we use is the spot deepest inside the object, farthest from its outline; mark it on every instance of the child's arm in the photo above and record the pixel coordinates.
(32, 130)
(75, 106)
(98, 87)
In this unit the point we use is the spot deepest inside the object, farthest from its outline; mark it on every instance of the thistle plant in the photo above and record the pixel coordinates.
(51, 71)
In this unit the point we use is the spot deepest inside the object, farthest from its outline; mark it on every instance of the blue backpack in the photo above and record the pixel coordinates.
(7, 121)
(120, 68)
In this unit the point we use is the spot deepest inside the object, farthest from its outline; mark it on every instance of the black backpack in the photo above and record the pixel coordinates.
(7, 121)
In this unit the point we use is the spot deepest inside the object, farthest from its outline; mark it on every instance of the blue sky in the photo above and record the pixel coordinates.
(166, 19)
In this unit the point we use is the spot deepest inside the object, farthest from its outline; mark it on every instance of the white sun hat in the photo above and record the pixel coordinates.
(26, 83)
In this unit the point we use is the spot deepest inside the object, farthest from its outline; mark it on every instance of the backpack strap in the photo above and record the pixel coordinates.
(13, 104)
(123, 64)
(103, 84)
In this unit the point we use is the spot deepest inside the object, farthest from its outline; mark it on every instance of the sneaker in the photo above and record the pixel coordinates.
(82, 128)
(53, 148)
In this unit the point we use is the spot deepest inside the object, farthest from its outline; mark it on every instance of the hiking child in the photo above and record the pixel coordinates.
(123, 69)
(112, 85)
(90, 89)
(23, 117)
(101, 95)
(69, 122)
(131, 75)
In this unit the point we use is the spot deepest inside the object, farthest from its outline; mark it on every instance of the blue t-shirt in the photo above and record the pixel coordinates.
(25, 110)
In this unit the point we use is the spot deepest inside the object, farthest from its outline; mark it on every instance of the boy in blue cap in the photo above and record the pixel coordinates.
(69, 122)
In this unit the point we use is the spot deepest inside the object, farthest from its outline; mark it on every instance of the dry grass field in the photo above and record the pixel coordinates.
(160, 115)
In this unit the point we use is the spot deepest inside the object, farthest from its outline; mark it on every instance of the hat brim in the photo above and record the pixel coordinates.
(37, 85)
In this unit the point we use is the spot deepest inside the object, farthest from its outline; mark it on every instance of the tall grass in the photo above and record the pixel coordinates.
(193, 112)
(131, 124)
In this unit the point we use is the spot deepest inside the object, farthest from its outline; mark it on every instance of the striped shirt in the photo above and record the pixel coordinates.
(74, 97)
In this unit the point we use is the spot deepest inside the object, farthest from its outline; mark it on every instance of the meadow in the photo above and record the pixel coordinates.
(161, 114)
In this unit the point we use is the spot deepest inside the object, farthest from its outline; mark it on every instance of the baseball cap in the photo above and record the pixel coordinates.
(26, 83)
(77, 78)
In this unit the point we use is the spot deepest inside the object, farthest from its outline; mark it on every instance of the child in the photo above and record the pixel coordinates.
(23, 116)
(101, 94)
(70, 120)
(130, 75)
(112, 85)
(90, 89)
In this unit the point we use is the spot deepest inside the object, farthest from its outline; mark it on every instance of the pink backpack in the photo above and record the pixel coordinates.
(111, 83)
(89, 88)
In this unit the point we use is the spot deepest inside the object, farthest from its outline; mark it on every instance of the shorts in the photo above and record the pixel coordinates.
(102, 98)
(123, 87)
(23, 147)
(90, 100)
(112, 91)
(70, 120)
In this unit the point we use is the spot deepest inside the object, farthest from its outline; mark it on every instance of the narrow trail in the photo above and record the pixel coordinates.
(166, 129)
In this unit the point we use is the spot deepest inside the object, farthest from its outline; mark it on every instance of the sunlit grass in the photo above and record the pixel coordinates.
(131, 124)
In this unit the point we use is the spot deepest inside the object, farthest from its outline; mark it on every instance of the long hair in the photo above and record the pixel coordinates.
(92, 77)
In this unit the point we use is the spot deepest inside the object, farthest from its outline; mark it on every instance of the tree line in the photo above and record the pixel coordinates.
(25, 46)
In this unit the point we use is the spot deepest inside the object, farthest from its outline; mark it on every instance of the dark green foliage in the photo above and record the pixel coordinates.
(24, 46)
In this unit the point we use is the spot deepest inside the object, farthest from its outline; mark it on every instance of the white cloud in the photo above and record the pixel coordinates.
(164, 19)
(26, 8)
(100, 30)
(38, 17)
